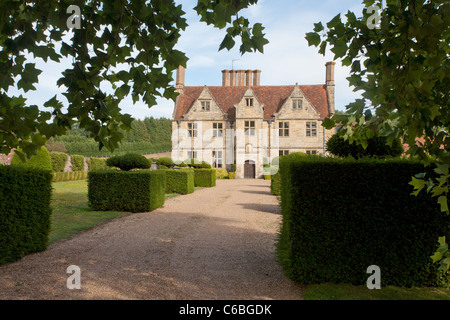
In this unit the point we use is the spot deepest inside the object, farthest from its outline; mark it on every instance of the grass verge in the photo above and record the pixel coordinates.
(328, 291)
(71, 213)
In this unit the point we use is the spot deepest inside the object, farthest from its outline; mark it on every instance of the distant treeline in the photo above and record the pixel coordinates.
(151, 135)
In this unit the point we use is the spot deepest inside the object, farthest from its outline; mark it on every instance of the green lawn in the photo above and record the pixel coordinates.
(71, 213)
(330, 291)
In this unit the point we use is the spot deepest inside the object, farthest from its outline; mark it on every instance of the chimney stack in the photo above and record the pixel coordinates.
(232, 78)
(329, 84)
(225, 78)
(329, 79)
(241, 78)
(248, 78)
(179, 83)
(256, 77)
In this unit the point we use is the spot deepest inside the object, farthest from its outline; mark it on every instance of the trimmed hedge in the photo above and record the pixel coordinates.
(179, 181)
(77, 162)
(25, 196)
(134, 191)
(41, 160)
(205, 177)
(165, 162)
(129, 161)
(341, 216)
(59, 160)
(96, 163)
(69, 176)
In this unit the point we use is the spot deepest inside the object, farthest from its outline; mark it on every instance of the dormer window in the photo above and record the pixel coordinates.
(249, 102)
(206, 105)
(297, 104)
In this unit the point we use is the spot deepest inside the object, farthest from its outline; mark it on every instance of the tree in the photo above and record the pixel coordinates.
(401, 65)
(107, 34)
(376, 147)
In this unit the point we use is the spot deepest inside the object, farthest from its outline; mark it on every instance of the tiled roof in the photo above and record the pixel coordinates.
(273, 97)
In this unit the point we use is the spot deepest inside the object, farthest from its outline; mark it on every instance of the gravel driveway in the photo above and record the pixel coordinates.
(216, 243)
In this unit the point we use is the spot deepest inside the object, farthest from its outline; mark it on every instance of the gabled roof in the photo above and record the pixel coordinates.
(273, 97)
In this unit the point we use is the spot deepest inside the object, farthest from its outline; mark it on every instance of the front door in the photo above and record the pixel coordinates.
(249, 170)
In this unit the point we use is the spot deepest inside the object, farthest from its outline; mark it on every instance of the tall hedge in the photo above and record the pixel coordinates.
(134, 191)
(59, 160)
(97, 163)
(204, 177)
(341, 216)
(179, 181)
(41, 160)
(77, 162)
(25, 195)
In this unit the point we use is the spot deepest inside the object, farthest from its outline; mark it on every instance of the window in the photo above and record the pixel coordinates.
(311, 152)
(217, 159)
(249, 127)
(206, 106)
(217, 129)
(249, 102)
(192, 154)
(283, 128)
(283, 152)
(297, 104)
(192, 129)
(311, 129)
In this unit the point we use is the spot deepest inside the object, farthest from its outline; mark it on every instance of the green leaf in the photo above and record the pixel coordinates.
(313, 39)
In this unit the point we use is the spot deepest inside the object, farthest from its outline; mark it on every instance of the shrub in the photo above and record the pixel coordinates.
(25, 195)
(341, 216)
(377, 147)
(128, 162)
(134, 191)
(204, 177)
(77, 162)
(59, 160)
(165, 161)
(96, 163)
(41, 160)
(221, 173)
(179, 181)
(69, 176)
(197, 164)
(231, 175)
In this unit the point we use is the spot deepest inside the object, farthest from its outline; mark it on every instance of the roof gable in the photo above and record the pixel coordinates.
(272, 97)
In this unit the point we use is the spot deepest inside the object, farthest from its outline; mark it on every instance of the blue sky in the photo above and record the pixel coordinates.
(287, 59)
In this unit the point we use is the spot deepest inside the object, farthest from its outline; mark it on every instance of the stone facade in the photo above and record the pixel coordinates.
(246, 124)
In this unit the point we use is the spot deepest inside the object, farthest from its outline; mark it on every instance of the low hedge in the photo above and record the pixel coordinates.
(134, 191)
(341, 216)
(275, 184)
(25, 196)
(179, 181)
(69, 176)
(59, 160)
(129, 161)
(204, 177)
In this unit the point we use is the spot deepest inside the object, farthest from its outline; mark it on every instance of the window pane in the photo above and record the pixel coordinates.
(286, 124)
(247, 124)
(308, 124)
(286, 132)
(252, 124)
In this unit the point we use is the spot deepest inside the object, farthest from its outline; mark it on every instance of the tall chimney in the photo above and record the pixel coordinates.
(225, 78)
(179, 83)
(329, 84)
(256, 77)
(329, 79)
(232, 78)
(248, 78)
(241, 78)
